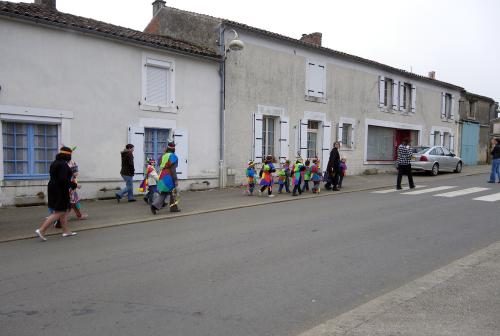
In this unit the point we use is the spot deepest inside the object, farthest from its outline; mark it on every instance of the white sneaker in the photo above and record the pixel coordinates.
(271, 195)
(40, 235)
(69, 234)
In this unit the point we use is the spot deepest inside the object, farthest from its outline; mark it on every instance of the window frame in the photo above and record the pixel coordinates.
(31, 150)
(388, 82)
(154, 140)
(347, 135)
(315, 131)
(164, 63)
(266, 121)
(447, 105)
(407, 92)
(320, 70)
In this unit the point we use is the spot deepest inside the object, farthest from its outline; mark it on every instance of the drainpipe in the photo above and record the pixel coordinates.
(222, 73)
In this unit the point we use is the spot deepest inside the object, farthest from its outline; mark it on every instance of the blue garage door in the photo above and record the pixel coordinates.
(470, 141)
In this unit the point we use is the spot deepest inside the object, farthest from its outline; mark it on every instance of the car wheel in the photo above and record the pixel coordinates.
(458, 169)
(435, 170)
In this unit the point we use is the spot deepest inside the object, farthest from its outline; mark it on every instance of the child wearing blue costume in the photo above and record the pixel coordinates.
(167, 183)
(250, 173)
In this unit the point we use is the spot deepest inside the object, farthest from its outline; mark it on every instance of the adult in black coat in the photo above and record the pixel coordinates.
(58, 193)
(333, 168)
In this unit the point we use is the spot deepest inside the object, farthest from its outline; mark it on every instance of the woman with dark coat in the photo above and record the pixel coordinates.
(58, 193)
(333, 168)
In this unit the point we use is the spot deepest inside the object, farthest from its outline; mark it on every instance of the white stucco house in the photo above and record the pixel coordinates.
(69, 80)
(287, 97)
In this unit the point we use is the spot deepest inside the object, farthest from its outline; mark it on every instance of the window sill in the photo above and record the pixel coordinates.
(315, 99)
(386, 109)
(163, 109)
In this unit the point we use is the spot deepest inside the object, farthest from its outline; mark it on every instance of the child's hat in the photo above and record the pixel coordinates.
(251, 163)
(287, 161)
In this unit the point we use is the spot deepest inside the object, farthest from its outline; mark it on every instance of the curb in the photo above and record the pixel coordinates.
(234, 207)
(348, 322)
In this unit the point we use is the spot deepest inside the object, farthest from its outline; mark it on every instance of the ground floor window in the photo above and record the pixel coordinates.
(447, 140)
(268, 134)
(155, 143)
(28, 149)
(346, 135)
(383, 142)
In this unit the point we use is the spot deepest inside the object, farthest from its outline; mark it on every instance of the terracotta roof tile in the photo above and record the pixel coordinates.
(42, 14)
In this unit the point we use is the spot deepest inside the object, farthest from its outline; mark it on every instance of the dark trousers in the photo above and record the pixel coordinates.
(306, 186)
(297, 186)
(405, 170)
(284, 185)
(149, 197)
(159, 201)
(341, 178)
(333, 180)
(269, 189)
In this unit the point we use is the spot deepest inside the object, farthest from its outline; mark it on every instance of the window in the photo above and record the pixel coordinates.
(446, 151)
(388, 92)
(268, 136)
(446, 140)
(157, 83)
(155, 143)
(472, 110)
(347, 135)
(437, 138)
(406, 96)
(28, 149)
(447, 106)
(312, 138)
(316, 79)
(380, 144)
(437, 151)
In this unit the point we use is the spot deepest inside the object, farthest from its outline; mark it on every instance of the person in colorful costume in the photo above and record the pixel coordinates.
(167, 183)
(150, 181)
(266, 176)
(307, 175)
(343, 170)
(250, 173)
(73, 194)
(284, 177)
(316, 176)
(297, 173)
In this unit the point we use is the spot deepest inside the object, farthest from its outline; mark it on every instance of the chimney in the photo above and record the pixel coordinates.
(432, 74)
(158, 5)
(47, 3)
(314, 38)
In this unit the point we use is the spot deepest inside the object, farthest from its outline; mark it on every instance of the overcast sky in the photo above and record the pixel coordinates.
(459, 39)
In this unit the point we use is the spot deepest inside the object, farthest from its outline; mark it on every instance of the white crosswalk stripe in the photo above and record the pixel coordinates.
(462, 192)
(386, 191)
(425, 191)
(489, 198)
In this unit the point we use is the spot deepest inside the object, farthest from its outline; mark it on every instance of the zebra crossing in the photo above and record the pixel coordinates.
(446, 191)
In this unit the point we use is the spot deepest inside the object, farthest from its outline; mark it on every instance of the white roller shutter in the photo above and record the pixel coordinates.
(395, 95)
(257, 135)
(413, 98)
(156, 85)
(381, 91)
(136, 138)
(452, 108)
(327, 139)
(401, 96)
(284, 138)
(431, 139)
(303, 138)
(181, 140)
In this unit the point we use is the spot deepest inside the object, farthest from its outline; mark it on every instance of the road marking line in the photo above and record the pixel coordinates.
(425, 191)
(462, 192)
(386, 191)
(489, 198)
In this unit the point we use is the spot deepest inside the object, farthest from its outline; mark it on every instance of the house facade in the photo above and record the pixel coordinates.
(68, 80)
(286, 97)
(475, 114)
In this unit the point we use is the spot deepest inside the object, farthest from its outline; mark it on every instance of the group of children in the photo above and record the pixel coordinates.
(299, 174)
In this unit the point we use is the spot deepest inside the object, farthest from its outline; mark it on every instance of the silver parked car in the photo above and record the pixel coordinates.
(435, 159)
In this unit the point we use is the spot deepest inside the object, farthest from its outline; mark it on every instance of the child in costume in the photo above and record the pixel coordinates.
(284, 177)
(149, 183)
(73, 194)
(250, 173)
(343, 170)
(307, 175)
(297, 173)
(316, 176)
(281, 180)
(266, 176)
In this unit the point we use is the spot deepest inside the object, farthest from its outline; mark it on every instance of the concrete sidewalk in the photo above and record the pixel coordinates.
(460, 299)
(20, 223)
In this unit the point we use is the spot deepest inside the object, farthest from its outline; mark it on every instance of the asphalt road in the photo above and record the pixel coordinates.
(275, 269)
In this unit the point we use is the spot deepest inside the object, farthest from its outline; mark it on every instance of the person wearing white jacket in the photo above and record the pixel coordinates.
(152, 179)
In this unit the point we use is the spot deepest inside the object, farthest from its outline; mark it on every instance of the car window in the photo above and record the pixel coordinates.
(439, 151)
(446, 151)
(420, 150)
(433, 152)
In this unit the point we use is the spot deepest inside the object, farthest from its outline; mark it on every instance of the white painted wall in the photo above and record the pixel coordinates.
(97, 82)
(271, 72)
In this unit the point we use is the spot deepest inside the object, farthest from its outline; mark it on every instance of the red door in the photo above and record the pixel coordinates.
(399, 136)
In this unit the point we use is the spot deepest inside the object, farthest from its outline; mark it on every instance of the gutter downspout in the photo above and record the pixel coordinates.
(222, 73)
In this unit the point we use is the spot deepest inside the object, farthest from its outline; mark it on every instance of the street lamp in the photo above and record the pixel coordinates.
(234, 45)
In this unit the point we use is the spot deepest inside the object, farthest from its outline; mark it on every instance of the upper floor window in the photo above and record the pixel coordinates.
(316, 79)
(447, 106)
(157, 89)
(28, 149)
(388, 83)
(472, 109)
(406, 96)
